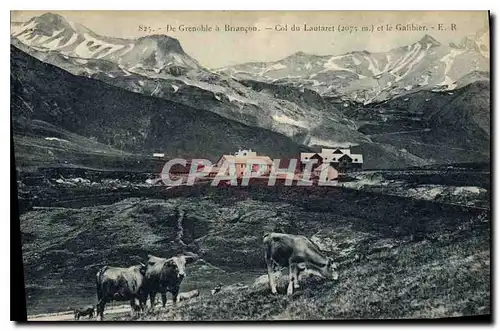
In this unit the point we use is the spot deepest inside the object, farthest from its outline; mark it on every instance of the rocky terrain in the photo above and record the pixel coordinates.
(368, 232)
(52, 107)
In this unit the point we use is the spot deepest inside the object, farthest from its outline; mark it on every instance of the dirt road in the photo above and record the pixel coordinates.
(69, 316)
(109, 312)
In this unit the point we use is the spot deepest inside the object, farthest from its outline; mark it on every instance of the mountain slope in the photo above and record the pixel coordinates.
(371, 77)
(137, 70)
(440, 127)
(339, 107)
(125, 120)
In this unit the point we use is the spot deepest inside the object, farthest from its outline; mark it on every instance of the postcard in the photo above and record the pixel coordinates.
(252, 165)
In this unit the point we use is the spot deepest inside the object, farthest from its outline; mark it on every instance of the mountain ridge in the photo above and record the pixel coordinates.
(128, 121)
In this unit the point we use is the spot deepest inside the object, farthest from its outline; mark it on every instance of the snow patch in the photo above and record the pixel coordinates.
(329, 143)
(81, 61)
(82, 50)
(448, 61)
(175, 87)
(56, 139)
(276, 66)
(71, 41)
(468, 189)
(371, 66)
(426, 80)
(290, 121)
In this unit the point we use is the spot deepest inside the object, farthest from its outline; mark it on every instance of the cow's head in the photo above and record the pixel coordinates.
(331, 270)
(327, 270)
(178, 264)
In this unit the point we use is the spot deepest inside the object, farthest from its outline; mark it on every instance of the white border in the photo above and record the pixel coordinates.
(198, 5)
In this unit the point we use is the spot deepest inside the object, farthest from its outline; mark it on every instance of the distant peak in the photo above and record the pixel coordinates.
(50, 22)
(427, 39)
(50, 18)
(299, 54)
(163, 41)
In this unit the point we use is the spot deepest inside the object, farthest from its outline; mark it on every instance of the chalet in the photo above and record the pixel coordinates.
(244, 159)
(287, 169)
(343, 160)
(287, 164)
(305, 158)
(340, 158)
(326, 172)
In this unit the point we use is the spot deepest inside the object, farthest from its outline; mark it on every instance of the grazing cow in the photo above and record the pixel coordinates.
(216, 289)
(165, 275)
(297, 253)
(87, 311)
(120, 284)
(188, 295)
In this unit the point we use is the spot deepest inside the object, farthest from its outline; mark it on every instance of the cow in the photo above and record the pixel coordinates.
(120, 284)
(165, 275)
(188, 295)
(87, 311)
(298, 253)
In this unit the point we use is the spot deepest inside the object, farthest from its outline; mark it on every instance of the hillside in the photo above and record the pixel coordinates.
(124, 120)
(158, 66)
(421, 112)
(382, 244)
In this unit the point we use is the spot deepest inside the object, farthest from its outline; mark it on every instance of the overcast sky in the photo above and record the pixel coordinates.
(217, 49)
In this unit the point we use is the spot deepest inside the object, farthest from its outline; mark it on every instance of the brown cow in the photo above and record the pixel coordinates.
(297, 253)
(165, 275)
(120, 284)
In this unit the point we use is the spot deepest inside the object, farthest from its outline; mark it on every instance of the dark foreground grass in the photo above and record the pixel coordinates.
(398, 257)
(415, 280)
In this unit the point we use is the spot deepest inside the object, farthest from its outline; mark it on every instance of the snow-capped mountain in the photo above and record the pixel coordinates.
(356, 99)
(51, 32)
(371, 77)
(148, 66)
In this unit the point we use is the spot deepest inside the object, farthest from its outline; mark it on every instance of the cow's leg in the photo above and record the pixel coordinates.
(152, 296)
(296, 273)
(175, 295)
(133, 307)
(270, 274)
(164, 299)
(291, 276)
(100, 308)
(142, 303)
